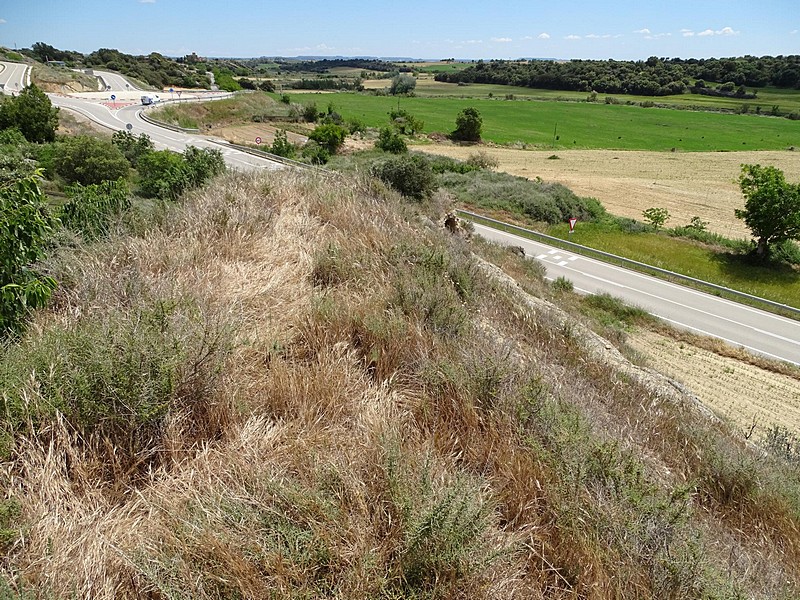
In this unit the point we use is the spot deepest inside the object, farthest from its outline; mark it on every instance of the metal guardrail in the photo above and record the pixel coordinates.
(158, 123)
(592, 252)
(273, 157)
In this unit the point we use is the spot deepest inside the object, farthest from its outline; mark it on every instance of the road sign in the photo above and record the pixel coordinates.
(171, 90)
(258, 140)
(572, 222)
(128, 126)
(113, 97)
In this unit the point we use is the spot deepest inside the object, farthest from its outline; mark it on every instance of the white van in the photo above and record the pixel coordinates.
(150, 99)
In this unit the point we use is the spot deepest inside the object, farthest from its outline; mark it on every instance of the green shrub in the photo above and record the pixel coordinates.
(405, 122)
(91, 208)
(310, 112)
(330, 136)
(131, 146)
(355, 125)
(656, 217)
(562, 284)
(202, 164)
(25, 229)
(281, 146)
(167, 175)
(444, 164)
(412, 175)
(390, 141)
(316, 154)
(163, 174)
(87, 160)
(116, 374)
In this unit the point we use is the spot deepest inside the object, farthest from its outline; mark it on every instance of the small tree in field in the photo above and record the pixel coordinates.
(468, 125)
(656, 217)
(402, 84)
(771, 208)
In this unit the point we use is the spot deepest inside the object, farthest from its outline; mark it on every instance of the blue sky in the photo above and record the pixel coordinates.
(422, 29)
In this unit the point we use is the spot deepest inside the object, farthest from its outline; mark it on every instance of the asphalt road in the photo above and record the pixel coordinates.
(118, 119)
(115, 82)
(756, 330)
(13, 76)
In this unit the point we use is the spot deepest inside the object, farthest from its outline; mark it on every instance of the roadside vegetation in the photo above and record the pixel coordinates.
(468, 439)
(97, 185)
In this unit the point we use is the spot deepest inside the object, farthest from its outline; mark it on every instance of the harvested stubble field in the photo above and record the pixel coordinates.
(692, 184)
(740, 393)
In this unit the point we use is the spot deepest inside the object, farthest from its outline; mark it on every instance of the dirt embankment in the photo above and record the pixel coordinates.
(692, 184)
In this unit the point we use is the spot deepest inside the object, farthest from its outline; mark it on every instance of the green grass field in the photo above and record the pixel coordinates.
(579, 125)
(786, 100)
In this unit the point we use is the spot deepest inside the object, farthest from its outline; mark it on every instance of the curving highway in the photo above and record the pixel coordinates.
(114, 82)
(756, 330)
(13, 77)
(123, 115)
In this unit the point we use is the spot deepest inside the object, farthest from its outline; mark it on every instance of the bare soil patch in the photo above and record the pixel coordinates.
(742, 394)
(692, 184)
(247, 134)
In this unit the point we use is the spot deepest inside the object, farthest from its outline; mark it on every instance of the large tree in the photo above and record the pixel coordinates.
(771, 208)
(32, 113)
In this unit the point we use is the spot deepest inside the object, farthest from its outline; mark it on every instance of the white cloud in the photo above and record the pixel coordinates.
(644, 31)
(687, 33)
(527, 37)
(593, 36)
(323, 47)
(4, 21)
(544, 36)
(473, 42)
(657, 36)
(792, 32)
(502, 40)
(572, 37)
(724, 31)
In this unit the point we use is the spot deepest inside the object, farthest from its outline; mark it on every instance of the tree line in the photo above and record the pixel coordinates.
(653, 77)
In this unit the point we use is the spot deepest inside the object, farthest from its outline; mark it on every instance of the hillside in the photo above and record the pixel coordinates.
(301, 386)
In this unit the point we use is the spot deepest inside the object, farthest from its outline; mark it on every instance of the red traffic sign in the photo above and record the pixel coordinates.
(258, 140)
(572, 222)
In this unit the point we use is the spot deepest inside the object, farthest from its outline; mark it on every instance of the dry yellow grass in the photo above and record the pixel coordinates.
(742, 394)
(699, 184)
(394, 419)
